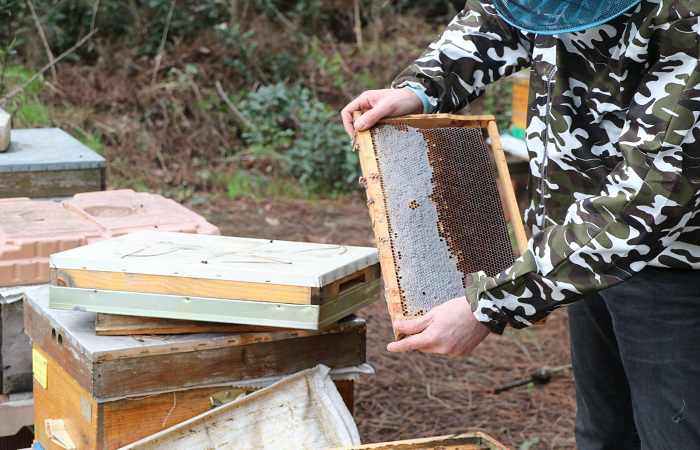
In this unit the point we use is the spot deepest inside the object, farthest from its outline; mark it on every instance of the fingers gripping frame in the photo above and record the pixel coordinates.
(435, 206)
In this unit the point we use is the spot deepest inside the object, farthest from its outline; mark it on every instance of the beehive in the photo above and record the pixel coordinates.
(48, 162)
(216, 279)
(114, 390)
(435, 206)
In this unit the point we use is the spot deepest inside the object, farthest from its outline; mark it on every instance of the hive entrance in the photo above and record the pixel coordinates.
(436, 208)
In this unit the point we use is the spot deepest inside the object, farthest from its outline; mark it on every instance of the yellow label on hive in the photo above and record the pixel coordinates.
(40, 368)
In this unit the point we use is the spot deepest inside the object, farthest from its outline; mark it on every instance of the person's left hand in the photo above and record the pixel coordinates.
(449, 329)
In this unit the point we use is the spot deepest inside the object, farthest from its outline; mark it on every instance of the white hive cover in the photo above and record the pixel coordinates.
(220, 258)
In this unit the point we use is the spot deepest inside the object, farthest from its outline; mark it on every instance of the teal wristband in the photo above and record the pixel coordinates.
(427, 107)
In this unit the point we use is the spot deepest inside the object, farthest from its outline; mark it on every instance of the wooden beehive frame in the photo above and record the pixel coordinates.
(377, 203)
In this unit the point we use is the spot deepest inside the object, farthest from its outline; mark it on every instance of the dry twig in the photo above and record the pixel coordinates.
(44, 41)
(33, 78)
(162, 42)
(240, 117)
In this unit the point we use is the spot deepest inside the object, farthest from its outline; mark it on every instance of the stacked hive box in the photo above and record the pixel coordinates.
(113, 390)
(182, 283)
(48, 162)
(31, 230)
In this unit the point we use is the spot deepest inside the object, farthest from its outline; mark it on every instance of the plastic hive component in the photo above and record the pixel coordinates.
(32, 230)
(124, 211)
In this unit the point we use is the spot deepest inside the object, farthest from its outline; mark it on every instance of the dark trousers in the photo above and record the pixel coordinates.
(635, 350)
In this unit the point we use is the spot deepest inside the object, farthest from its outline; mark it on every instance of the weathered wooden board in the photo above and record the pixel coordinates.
(464, 441)
(217, 267)
(48, 162)
(113, 366)
(53, 183)
(301, 411)
(116, 325)
(15, 347)
(111, 425)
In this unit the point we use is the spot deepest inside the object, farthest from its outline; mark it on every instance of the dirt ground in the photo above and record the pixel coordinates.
(415, 395)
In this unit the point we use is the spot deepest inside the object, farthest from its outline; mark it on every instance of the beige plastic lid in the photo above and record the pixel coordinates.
(32, 230)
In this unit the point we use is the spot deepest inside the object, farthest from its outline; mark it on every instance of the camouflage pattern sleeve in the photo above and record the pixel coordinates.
(476, 49)
(639, 209)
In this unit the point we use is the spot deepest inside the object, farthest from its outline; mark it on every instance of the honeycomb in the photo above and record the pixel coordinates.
(443, 211)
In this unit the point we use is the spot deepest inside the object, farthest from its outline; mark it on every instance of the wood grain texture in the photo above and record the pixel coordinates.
(465, 441)
(349, 283)
(121, 422)
(118, 325)
(66, 354)
(184, 286)
(128, 420)
(507, 185)
(50, 183)
(62, 400)
(440, 120)
(378, 213)
(114, 378)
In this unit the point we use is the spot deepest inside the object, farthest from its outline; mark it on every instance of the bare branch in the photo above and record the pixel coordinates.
(162, 42)
(47, 48)
(31, 79)
(236, 112)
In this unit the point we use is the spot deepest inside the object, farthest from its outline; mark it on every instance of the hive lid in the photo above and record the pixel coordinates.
(41, 149)
(125, 211)
(24, 219)
(219, 258)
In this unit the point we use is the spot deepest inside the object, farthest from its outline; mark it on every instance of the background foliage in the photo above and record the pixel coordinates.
(243, 99)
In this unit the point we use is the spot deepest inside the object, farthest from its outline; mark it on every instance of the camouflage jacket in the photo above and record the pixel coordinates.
(613, 130)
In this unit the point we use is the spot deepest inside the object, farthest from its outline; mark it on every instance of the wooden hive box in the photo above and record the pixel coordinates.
(48, 162)
(114, 390)
(435, 205)
(216, 279)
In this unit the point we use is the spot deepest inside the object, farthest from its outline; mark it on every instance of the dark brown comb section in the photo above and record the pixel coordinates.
(466, 196)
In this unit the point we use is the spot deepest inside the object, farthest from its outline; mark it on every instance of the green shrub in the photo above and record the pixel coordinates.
(301, 130)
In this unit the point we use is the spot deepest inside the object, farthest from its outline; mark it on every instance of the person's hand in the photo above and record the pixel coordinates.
(376, 105)
(449, 329)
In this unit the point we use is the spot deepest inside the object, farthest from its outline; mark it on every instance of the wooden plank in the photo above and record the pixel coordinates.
(128, 420)
(114, 378)
(15, 349)
(349, 283)
(300, 411)
(377, 211)
(67, 354)
(440, 120)
(50, 183)
(118, 325)
(185, 286)
(511, 202)
(62, 399)
(465, 441)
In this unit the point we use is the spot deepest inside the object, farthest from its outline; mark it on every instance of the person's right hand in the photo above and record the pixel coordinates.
(376, 105)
